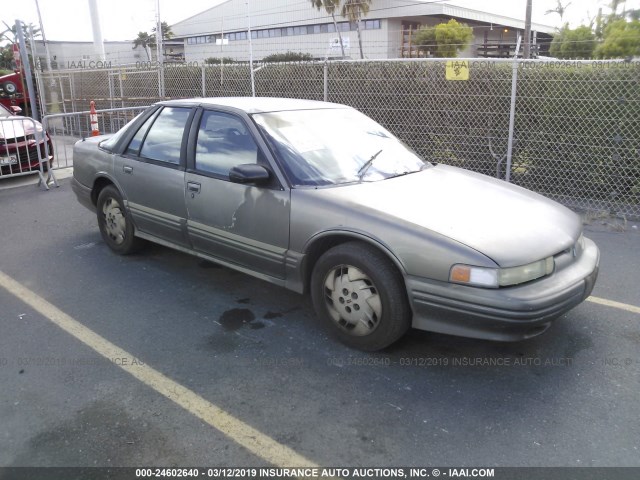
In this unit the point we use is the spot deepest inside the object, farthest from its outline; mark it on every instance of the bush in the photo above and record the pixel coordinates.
(288, 57)
(218, 60)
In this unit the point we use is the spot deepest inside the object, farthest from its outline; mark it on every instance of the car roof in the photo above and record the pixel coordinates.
(256, 104)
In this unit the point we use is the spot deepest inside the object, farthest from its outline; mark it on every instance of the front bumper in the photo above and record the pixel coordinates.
(83, 194)
(504, 314)
(23, 156)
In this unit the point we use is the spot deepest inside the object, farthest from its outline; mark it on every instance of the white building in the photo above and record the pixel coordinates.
(65, 55)
(72, 55)
(279, 26)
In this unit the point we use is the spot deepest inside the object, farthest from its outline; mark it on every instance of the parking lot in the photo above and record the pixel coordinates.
(163, 359)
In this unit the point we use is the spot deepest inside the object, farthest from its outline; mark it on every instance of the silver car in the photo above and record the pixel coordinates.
(319, 198)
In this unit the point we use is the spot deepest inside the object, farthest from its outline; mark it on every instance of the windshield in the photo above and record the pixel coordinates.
(335, 146)
(4, 112)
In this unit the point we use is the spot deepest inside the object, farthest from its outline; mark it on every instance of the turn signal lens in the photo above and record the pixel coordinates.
(478, 276)
(460, 273)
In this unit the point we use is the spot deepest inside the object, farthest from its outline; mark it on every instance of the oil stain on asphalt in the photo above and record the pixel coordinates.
(236, 318)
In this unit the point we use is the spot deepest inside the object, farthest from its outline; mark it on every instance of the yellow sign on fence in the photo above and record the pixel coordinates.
(457, 70)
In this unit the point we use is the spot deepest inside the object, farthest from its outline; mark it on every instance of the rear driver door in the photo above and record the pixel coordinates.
(151, 173)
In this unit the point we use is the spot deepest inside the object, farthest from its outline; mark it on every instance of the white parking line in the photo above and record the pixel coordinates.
(256, 442)
(611, 303)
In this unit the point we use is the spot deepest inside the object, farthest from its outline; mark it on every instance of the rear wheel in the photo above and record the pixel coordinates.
(115, 223)
(361, 296)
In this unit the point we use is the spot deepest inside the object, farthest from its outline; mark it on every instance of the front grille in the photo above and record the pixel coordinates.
(27, 157)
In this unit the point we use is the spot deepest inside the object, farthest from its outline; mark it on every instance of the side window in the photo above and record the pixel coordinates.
(223, 142)
(164, 140)
(136, 141)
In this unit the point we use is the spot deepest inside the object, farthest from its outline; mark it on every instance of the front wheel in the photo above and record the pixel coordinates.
(361, 296)
(115, 223)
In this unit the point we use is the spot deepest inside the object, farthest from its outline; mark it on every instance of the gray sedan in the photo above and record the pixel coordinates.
(319, 198)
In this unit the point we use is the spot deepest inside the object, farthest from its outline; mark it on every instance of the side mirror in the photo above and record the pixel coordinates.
(249, 173)
(16, 109)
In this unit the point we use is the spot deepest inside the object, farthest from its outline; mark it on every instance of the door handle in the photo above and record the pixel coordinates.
(127, 169)
(193, 187)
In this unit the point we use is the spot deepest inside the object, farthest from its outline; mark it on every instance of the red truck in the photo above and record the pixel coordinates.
(12, 91)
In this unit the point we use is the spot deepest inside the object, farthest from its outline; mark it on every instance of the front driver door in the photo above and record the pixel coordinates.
(242, 224)
(151, 173)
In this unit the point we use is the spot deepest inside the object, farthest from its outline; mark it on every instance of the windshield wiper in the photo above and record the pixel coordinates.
(367, 164)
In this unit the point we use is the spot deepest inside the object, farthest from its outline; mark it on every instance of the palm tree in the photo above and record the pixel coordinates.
(330, 7)
(354, 10)
(145, 41)
(167, 34)
(560, 9)
(26, 29)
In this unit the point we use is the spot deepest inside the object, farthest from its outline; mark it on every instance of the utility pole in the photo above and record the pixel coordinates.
(160, 55)
(527, 31)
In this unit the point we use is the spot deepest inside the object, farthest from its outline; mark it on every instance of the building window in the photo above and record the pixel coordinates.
(288, 31)
(372, 24)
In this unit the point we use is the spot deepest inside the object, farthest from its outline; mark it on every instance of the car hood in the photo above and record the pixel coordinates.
(509, 224)
(10, 130)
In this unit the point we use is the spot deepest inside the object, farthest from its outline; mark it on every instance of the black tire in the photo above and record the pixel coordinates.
(115, 223)
(10, 88)
(360, 294)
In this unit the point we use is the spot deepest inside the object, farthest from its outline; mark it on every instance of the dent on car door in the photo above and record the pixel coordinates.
(247, 225)
(151, 173)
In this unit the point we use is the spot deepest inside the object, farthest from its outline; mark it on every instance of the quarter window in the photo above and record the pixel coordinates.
(136, 141)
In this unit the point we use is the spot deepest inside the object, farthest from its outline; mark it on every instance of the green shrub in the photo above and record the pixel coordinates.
(288, 57)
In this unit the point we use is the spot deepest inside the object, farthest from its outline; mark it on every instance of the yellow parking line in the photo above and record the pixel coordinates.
(611, 303)
(253, 440)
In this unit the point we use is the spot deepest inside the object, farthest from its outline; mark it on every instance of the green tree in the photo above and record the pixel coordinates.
(145, 41)
(167, 33)
(444, 40)
(354, 10)
(6, 59)
(578, 43)
(330, 7)
(621, 40)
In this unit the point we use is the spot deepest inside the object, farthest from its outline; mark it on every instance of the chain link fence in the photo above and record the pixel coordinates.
(569, 129)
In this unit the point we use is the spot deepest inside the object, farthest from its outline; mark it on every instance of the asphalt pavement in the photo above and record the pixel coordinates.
(256, 351)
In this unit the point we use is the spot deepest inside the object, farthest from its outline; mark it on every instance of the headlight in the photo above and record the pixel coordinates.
(500, 277)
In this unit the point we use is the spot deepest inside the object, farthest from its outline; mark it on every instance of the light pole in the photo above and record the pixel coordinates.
(44, 38)
(253, 82)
